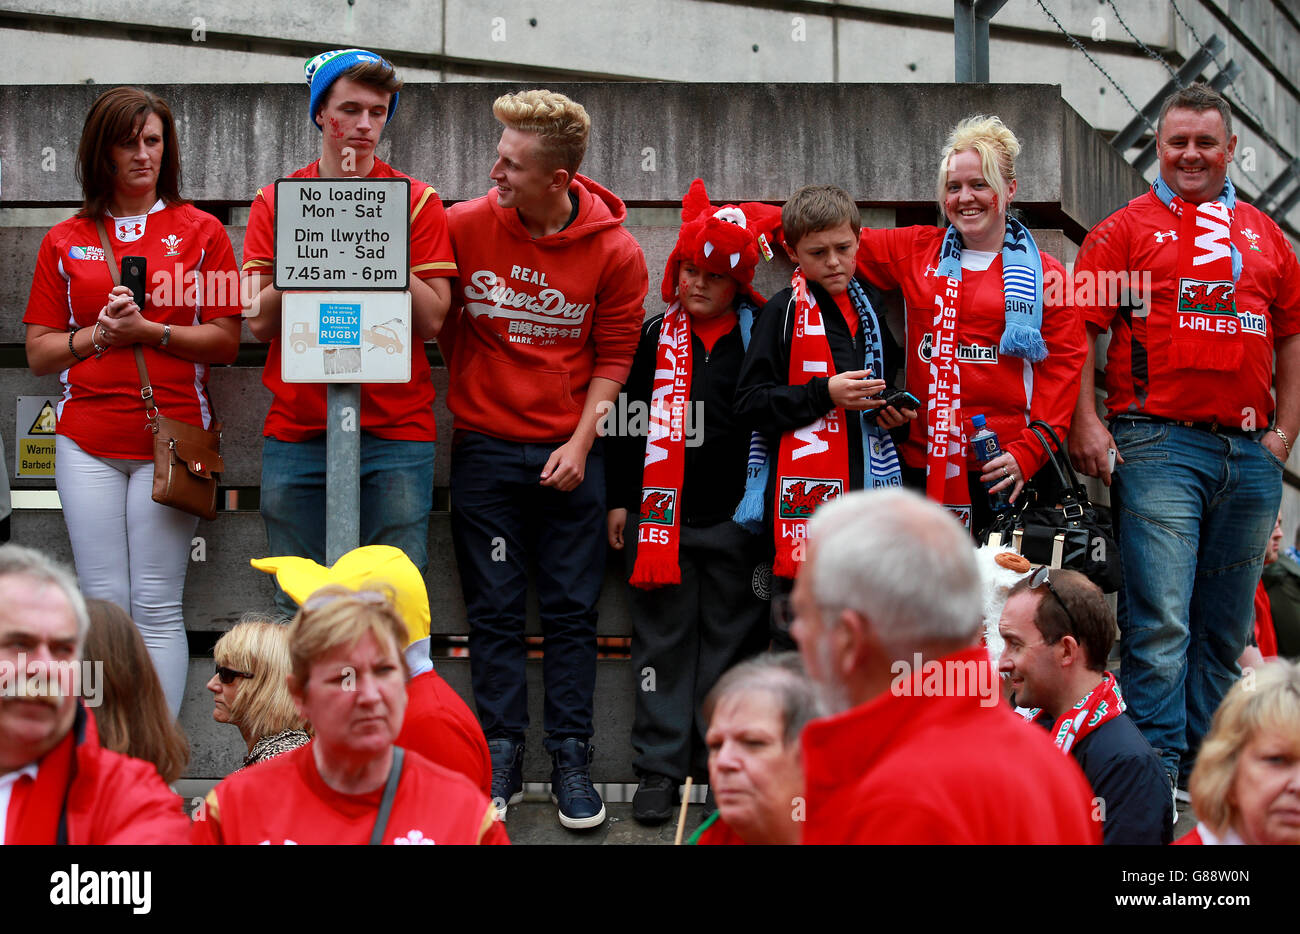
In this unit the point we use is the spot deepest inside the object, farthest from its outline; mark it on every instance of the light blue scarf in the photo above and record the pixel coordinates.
(1022, 288)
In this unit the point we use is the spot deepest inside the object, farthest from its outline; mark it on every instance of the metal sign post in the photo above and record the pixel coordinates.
(343, 246)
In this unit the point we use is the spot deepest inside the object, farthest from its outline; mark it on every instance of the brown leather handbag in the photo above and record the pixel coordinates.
(187, 460)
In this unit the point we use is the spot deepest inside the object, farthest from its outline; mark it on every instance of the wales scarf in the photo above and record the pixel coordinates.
(1103, 703)
(1205, 332)
(812, 464)
(659, 531)
(1022, 336)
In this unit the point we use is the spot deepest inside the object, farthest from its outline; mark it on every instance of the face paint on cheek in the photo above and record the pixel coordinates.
(335, 129)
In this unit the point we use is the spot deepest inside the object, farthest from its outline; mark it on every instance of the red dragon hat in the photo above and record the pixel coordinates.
(725, 240)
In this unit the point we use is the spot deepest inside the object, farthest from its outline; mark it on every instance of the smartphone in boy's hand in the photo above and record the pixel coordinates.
(901, 399)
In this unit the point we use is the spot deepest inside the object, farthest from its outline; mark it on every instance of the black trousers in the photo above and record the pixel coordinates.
(686, 636)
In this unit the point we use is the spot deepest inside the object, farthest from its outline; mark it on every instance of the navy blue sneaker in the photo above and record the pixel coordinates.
(571, 789)
(507, 773)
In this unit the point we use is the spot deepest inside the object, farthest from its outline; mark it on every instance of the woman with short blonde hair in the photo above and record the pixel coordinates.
(987, 326)
(1246, 784)
(250, 690)
(352, 784)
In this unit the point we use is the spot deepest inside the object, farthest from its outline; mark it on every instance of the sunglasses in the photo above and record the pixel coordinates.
(1042, 577)
(228, 675)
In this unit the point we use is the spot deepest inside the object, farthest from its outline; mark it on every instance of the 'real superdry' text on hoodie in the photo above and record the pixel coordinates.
(533, 320)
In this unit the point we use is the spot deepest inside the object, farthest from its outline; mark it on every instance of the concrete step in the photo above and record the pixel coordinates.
(534, 821)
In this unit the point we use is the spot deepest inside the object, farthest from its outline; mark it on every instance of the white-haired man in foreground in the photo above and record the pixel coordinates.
(919, 747)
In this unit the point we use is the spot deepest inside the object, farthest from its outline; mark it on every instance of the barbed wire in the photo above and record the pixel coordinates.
(1095, 64)
(1151, 53)
(1232, 85)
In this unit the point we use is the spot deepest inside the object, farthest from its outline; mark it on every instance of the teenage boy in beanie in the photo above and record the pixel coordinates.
(353, 95)
(545, 326)
(813, 378)
(699, 580)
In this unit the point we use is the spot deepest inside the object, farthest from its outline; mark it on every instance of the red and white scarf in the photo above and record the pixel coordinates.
(945, 441)
(812, 465)
(1205, 330)
(1103, 703)
(659, 531)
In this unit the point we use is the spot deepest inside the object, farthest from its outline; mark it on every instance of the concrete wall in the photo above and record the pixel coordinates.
(648, 141)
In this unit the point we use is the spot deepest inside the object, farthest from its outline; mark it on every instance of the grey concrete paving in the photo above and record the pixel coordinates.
(535, 822)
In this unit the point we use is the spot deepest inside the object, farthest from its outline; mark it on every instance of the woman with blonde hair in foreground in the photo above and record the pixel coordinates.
(351, 784)
(1246, 784)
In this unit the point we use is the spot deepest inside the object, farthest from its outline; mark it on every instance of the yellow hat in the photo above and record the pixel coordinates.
(364, 568)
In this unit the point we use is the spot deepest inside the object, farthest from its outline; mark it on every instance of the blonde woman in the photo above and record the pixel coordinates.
(250, 690)
(352, 784)
(1246, 784)
(984, 323)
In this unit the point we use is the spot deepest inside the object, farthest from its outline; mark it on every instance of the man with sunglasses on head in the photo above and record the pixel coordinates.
(1058, 632)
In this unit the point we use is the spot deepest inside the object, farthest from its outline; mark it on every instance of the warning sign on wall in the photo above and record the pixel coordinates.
(36, 424)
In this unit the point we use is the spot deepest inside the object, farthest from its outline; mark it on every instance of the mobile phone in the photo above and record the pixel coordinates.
(133, 277)
(902, 399)
(1110, 455)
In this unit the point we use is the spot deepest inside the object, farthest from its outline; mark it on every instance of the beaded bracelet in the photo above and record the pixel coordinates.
(71, 335)
(1286, 442)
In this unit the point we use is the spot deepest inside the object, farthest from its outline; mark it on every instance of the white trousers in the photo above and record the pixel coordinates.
(130, 550)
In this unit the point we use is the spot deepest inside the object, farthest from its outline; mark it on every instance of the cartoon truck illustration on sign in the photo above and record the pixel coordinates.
(301, 336)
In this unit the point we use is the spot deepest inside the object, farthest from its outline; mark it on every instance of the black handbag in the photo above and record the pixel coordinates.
(1059, 513)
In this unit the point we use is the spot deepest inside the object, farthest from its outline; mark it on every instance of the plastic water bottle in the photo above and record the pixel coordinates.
(986, 447)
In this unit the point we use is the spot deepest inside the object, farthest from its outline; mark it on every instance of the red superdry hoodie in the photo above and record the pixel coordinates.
(534, 320)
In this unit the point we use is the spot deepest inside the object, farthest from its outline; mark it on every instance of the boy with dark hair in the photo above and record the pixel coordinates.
(814, 373)
(353, 96)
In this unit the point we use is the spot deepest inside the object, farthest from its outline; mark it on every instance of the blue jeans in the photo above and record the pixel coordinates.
(503, 519)
(396, 498)
(1193, 513)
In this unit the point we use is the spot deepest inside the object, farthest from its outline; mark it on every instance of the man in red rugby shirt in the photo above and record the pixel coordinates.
(1198, 442)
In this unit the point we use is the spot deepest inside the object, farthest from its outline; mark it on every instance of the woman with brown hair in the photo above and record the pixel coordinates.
(133, 718)
(250, 690)
(127, 548)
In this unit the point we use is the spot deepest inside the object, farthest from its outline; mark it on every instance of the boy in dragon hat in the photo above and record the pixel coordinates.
(678, 468)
